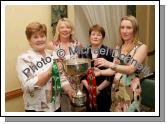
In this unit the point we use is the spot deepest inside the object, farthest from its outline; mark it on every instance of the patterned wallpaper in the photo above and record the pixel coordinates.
(131, 10)
(57, 12)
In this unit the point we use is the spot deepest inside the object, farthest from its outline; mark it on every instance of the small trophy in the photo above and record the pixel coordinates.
(76, 68)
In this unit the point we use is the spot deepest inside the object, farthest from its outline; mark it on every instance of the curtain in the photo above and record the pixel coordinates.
(107, 16)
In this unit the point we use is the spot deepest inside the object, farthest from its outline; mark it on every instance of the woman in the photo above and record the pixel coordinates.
(127, 65)
(65, 40)
(103, 83)
(34, 69)
(65, 47)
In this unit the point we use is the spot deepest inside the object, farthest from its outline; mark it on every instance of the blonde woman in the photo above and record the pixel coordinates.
(64, 40)
(64, 47)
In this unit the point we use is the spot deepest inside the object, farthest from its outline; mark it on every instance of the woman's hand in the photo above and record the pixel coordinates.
(60, 67)
(49, 71)
(84, 83)
(98, 91)
(71, 94)
(69, 90)
(101, 62)
(97, 72)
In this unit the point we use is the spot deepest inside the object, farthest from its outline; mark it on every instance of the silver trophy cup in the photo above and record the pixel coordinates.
(76, 68)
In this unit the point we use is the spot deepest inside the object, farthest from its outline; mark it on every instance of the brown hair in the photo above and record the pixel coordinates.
(97, 28)
(35, 27)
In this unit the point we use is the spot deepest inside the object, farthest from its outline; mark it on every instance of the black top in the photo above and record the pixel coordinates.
(104, 52)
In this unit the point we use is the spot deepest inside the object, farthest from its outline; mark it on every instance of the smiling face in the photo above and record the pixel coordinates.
(96, 35)
(64, 30)
(36, 35)
(38, 41)
(126, 30)
(96, 38)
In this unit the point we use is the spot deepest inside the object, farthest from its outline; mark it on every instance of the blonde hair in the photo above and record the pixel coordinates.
(135, 26)
(68, 23)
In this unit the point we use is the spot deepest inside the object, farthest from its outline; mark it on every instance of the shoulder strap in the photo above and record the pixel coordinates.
(138, 47)
(135, 48)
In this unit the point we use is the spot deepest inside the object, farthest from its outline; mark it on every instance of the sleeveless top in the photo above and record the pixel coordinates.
(126, 88)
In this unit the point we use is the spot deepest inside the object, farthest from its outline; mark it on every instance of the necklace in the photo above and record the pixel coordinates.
(127, 48)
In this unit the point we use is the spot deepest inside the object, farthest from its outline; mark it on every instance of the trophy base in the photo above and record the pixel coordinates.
(79, 101)
(78, 108)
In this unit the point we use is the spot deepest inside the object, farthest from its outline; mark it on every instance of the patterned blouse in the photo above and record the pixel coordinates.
(29, 65)
(71, 53)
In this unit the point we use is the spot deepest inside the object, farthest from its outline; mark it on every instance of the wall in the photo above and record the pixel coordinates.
(16, 19)
(71, 13)
(15, 105)
(146, 17)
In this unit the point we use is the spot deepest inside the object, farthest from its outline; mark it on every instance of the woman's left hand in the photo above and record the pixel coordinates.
(97, 72)
(60, 67)
(71, 94)
(101, 62)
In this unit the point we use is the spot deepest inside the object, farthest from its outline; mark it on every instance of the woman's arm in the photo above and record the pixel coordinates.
(106, 72)
(85, 83)
(103, 85)
(139, 56)
(69, 90)
(44, 77)
(27, 78)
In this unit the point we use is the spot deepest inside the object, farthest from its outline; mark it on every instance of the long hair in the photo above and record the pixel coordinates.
(135, 26)
(68, 24)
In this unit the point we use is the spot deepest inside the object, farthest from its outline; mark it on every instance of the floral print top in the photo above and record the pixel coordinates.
(29, 65)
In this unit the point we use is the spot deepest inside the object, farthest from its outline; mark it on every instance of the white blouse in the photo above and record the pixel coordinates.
(29, 65)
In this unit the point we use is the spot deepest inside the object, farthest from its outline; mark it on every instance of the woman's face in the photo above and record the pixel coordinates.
(38, 41)
(126, 30)
(96, 38)
(64, 30)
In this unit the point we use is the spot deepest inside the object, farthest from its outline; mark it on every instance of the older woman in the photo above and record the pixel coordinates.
(34, 69)
(127, 65)
(103, 83)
